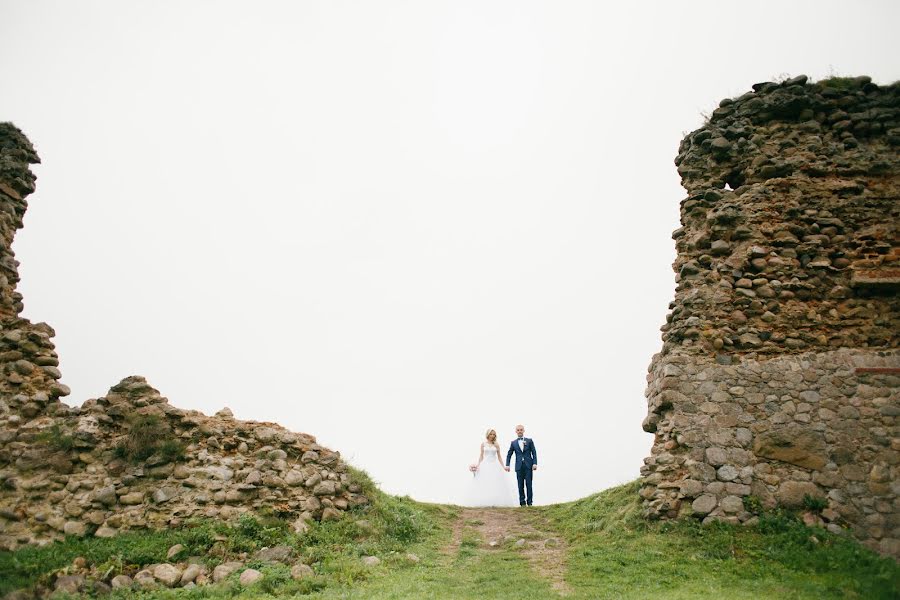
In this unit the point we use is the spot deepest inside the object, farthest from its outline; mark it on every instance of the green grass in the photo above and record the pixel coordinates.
(149, 435)
(471, 573)
(841, 83)
(333, 549)
(56, 439)
(613, 553)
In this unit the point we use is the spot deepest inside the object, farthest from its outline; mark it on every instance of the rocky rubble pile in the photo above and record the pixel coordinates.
(777, 383)
(70, 473)
(81, 578)
(129, 460)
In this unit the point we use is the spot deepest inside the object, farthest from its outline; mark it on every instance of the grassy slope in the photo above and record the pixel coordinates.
(617, 554)
(613, 554)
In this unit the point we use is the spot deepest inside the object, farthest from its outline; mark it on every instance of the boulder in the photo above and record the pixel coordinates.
(132, 498)
(121, 581)
(325, 488)
(294, 478)
(105, 531)
(224, 570)
(279, 554)
(250, 576)
(174, 551)
(301, 571)
(732, 504)
(691, 488)
(190, 574)
(163, 494)
(167, 574)
(145, 579)
(75, 528)
(331, 514)
(264, 434)
(704, 504)
(106, 495)
(69, 584)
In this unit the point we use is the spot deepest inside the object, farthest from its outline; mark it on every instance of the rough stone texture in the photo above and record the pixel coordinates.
(28, 375)
(371, 561)
(301, 571)
(778, 376)
(121, 581)
(223, 571)
(250, 576)
(59, 472)
(167, 574)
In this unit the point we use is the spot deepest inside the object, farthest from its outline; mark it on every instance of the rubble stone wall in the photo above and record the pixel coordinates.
(62, 468)
(778, 378)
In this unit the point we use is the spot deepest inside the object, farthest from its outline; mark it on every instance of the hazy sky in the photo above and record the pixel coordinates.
(388, 224)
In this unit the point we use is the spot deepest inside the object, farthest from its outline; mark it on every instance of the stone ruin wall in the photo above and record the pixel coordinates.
(49, 489)
(779, 372)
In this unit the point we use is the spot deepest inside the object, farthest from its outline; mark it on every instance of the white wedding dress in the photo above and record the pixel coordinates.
(491, 485)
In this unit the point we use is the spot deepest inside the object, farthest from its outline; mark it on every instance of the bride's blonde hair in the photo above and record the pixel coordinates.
(488, 435)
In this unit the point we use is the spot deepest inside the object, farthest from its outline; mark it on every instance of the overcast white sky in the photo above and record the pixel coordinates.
(388, 224)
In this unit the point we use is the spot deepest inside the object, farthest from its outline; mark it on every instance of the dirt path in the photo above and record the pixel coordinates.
(521, 529)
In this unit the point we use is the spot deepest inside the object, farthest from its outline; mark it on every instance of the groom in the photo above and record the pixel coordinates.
(526, 462)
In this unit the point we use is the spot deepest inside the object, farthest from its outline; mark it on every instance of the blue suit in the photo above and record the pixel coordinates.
(526, 458)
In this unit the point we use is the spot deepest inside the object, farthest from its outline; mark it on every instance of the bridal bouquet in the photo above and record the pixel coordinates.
(474, 469)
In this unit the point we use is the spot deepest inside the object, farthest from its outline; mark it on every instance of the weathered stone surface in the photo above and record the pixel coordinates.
(691, 487)
(70, 584)
(190, 574)
(325, 488)
(167, 574)
(222, 571)
(280, 554)
(791, 493)
(371, 561)
(75, 528)
(121, 581)
(778, 375)
(105, 531)
(294, 478)
(704, 504)
(106, 495)
(145, 579)
(731, 504)
(132, 498)
(796, 445)
(250, 576)
(301, 571)
(330, 514)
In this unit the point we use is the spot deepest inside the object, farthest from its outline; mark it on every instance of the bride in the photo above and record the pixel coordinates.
(490, 485)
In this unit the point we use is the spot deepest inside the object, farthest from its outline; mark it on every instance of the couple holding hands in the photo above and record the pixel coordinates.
(489, 486)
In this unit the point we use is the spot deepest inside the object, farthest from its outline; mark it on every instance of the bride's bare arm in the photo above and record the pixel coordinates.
(480, 454)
